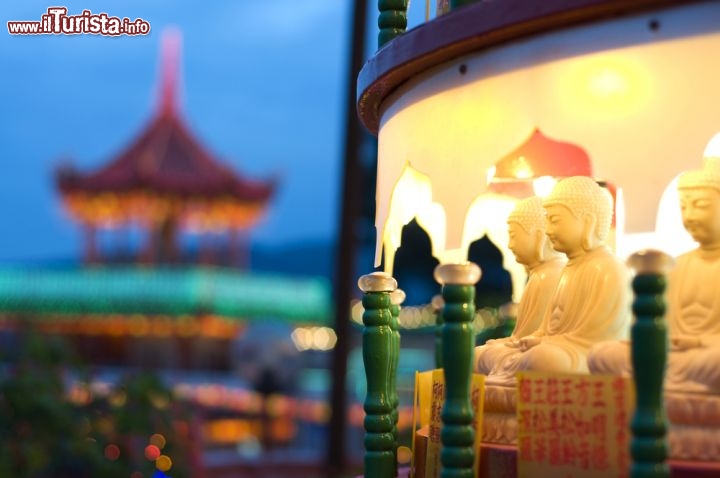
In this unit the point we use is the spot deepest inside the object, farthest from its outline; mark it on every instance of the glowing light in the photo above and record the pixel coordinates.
(139, 325)
(404, 454)
(543, 185)
(313, 338)
(274, 405)
(118, 399)
(712, 150)
(163, 463)
(105, 425)
(158, 440)
(112, 452)
(490, 174)
(161, 327)
(324, 338)
(411, 196)
(283, 430)
(152, 452)
(159, 401)
(300, 338)
(607, 82)
(605, 85)
(522, 168)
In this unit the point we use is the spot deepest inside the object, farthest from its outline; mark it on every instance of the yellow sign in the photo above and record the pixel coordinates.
(429, 400)
(573, 426)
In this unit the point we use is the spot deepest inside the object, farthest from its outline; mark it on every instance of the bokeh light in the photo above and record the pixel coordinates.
(404, 454)
(163, 463)
(152, 452)
(112, 452)
(158, 440)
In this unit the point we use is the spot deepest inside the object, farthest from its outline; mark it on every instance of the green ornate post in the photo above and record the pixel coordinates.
(397, 297)
(377, 343)
(457, 436)
(392, 19)
(437, 305)
(648, 447)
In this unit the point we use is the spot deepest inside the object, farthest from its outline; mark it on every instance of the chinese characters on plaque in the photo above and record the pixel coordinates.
(573, 426)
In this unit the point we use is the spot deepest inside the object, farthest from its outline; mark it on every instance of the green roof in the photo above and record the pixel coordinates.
(171, 291)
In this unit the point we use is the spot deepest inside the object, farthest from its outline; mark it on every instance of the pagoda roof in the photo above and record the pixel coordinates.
(166, 158)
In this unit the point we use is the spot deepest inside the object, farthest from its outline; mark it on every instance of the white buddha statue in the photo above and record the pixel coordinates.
(532, 249)
(592, 300)
(693, 295)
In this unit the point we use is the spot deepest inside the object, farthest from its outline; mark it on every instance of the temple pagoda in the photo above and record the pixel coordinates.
(166, 182)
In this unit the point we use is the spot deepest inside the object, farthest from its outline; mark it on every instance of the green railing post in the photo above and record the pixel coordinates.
(459, 3)
(437, 305)
(457, 436)
(648, 447)
(397, 297)
(392, 19)
(377, 344)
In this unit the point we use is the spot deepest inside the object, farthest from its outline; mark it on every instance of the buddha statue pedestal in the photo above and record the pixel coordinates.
(694, 433)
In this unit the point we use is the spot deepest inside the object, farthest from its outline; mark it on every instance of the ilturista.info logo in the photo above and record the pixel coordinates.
(57, 22)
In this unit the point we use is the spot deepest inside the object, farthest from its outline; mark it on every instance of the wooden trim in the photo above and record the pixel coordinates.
(475, 27)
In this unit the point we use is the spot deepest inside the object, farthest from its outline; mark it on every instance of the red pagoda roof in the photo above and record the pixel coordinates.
(542, 156)
(166, 158)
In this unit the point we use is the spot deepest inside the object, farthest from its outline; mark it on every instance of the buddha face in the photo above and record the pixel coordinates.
(564, 230)
(700, 209)
(523, 245)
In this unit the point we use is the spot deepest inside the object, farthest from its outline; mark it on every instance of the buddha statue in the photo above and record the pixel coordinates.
(532, 249)
(591, 302)
(693, 295)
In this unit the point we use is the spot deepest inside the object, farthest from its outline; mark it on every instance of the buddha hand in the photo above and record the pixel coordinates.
(512, 343)
(528, 342)
(684, 342)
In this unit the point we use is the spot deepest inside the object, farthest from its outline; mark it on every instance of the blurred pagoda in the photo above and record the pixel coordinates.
(166, 182)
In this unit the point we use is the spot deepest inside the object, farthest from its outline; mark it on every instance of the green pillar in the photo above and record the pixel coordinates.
(397, 297)
(457, 436)
(392, 19)
(377, 344)
(648, 447)
(437, 305)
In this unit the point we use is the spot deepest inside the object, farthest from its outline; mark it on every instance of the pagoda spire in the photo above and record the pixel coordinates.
(169, 71)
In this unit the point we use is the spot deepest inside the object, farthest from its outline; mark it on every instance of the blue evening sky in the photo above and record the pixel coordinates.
(262, 87)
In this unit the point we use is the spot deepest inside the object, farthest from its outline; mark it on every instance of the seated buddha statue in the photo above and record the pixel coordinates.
(532, 249)
(591, 302)
(693, 295)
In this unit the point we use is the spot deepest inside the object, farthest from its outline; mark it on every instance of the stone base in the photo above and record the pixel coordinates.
(499, 419)
(694, 426)
(500, 461)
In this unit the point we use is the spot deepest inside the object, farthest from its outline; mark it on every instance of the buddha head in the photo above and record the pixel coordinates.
(699, 192)
(526, 229)
(579, 213)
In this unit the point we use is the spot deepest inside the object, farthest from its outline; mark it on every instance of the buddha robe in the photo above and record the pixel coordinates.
(693, 311)
(591, 304)
(541, 284)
